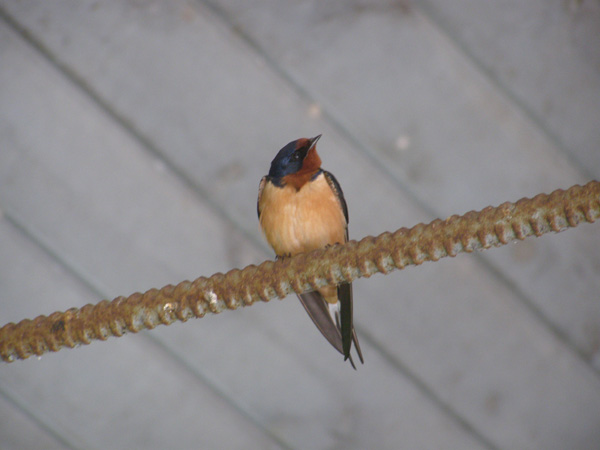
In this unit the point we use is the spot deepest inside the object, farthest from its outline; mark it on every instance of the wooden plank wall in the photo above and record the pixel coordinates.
(133, 134)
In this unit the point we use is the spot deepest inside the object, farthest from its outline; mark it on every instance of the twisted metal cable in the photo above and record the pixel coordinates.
(490, 227)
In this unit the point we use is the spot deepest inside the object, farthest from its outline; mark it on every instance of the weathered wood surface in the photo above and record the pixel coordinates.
(133, 135)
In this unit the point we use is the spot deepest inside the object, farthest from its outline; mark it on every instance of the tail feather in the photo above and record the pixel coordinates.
(345, 299)
(340, 333)
(337, 322)
(319, 313)
(357, 346)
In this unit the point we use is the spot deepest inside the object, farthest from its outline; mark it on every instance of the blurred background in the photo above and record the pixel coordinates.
(133, 135)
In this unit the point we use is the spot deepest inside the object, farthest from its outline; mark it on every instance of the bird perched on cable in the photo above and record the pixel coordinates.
(301, 208)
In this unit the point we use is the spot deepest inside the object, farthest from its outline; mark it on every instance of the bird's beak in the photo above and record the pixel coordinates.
(313, 141)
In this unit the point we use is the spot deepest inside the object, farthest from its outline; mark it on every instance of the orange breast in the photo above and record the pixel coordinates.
(296, 221)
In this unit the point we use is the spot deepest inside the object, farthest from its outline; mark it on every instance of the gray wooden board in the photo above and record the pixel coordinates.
(19, 431)
(544, 54)
(464, 335)
(67, 190)
(449, 115)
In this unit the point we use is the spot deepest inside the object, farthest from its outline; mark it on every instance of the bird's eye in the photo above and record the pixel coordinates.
(295, 156)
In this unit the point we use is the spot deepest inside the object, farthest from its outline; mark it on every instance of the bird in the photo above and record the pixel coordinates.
(301, 208)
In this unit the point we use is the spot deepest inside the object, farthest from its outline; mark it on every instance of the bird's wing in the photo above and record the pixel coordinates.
(261, 186)
(344, 290)
(337, 190)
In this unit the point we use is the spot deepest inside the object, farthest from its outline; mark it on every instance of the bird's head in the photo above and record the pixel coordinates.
(296, 161)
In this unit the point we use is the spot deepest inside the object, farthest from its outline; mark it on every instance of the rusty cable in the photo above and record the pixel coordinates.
(490, 227)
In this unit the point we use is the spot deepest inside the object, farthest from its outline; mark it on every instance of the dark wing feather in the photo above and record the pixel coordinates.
(261, 186)
(337, 190)
(344, 290)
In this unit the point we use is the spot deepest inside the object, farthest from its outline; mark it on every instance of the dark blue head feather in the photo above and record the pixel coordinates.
(288, 161)
(290, 158)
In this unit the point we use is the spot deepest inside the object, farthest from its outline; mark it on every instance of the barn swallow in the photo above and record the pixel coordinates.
(301, 208)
